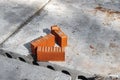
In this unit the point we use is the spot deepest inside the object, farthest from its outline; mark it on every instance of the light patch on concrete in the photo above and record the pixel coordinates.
(14, 12)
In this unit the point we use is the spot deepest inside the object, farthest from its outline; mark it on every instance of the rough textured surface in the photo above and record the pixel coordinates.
(11, 69)
(14, 12)
(93, 28)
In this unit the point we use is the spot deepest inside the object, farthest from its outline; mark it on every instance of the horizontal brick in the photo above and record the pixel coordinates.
(50, 53)
(48, 40)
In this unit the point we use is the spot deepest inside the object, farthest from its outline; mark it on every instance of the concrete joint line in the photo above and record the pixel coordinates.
(26, 22)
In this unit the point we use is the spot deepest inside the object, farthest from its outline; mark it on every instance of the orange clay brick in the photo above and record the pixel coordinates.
(55, 27)
(48, 40)
(50, 53)
(60, 37)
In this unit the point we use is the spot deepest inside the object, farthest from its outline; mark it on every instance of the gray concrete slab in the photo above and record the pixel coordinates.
(93, 31)
(11, 69)
(15, 12)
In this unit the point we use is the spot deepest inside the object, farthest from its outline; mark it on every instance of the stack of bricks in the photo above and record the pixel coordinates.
(44, 47)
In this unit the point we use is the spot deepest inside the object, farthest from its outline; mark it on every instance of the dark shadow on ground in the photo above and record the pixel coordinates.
(27, 45)
(46, 30)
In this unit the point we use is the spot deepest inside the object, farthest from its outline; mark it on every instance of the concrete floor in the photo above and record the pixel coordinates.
(93, 28)
(12, 69)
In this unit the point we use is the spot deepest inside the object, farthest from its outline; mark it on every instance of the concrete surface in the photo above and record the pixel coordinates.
(13, 13)
(93, 28)
(12, 69)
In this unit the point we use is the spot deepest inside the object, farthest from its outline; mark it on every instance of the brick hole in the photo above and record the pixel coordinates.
(21, 59)
(82, 77)
(65, 72)
(50, 67)
(8, 55)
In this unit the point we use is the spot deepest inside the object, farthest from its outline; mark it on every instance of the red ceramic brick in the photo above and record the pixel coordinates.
(55, 27)
(34, 44)
(50, 53)
(48, 40)
(60, 37)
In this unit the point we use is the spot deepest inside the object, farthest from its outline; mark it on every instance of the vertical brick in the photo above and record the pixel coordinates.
(60, 38)
(55, 28)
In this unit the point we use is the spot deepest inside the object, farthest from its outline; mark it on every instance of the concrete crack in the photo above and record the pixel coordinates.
(29, 19)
